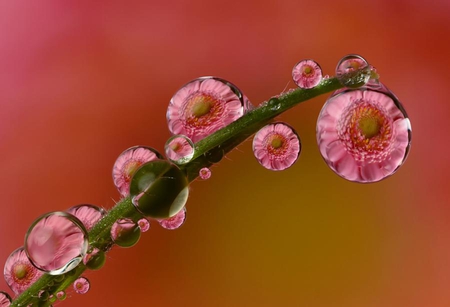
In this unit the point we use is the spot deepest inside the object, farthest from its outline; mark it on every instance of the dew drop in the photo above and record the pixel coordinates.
(81, 285)
(204, 106)
(125, 232)
(44, 295)
(56, 242)
(127, 164)
(5, 299)
(307, 74)
(364, 134)
(61, 295)
(175, 221)
(144, 224)
(353, 71)
(95, 259)
(52, 298)
(276, 146)
(89, 215)
(159, 189)
(204, 173)
(179, 149)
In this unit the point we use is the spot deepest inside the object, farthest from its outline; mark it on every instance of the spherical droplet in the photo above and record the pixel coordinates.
(44, 295)
(89, 215)
(204, 106)
(276, 146)
(128, 162)
(61, 295)
(364, 134)
(5, 299)
(19, 272)
(204, 173)
(307, 74)
(159, 189)
(144, 224)
(125, 232)
(81, 285)
(56, 242)
(353, 71)
(175, 221)
(52, 298)
(179, 149)
(95, 259)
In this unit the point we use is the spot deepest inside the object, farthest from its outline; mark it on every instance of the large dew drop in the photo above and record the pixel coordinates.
(89, 215)
(159, 189)
(81, 285)
(364, 134)
(353, 71)
(179, 149)
(5, 299)
(307, 74)
(56, 242)
(125, 232)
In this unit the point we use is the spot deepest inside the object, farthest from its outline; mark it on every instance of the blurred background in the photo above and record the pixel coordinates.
(80, 81)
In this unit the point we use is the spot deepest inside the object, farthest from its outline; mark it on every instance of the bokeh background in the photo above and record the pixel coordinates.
(80, 81)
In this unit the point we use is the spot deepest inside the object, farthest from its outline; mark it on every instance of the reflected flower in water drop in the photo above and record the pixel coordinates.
(179, 149)
(204, 106)
(175, 221)
(307, 74)
(144, 224)
(204, 173)
(87, 214)
(19, 273)
(81, 285)
(5, 299)
(276, 146)
(363, 135)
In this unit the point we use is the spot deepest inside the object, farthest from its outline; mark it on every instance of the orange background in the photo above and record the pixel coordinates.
(80, 81)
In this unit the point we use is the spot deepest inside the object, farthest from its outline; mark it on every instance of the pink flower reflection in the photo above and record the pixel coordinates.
(179, 149)
(89, 215)
(175, 221)
(363, 135)
(307, 74)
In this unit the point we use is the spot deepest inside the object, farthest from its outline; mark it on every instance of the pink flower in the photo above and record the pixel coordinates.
(276, 146)
(19, 273)
(127, 164)
(179, 149)
(204, 106)
(89, 215)
(5, 299)
(363, 135)
(175, 221)
(307, 74)
(205, 173)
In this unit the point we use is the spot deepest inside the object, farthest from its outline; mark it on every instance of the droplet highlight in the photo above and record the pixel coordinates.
(56, 242)
(95, 259)
(204, 173)
(61, 295)
(175, 221)
(89, 215)
(5, 299)
(127, 164)
(179, 149)
(307, 74)
(81, 285)
(353, 71)
(125, 232)
(276, 146)
(144, 224)
(364, 135)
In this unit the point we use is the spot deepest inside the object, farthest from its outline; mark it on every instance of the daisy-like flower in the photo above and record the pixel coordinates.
(204, 106)
(364, 134)
(87, 214)
(19, 273)
(127, 164)
(5, 299)
(307, 74)
(276, 146)
(175, 221)
(179, 149)
(81, 285)
(205, 173)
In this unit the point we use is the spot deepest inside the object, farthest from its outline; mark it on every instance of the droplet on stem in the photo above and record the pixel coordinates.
(95, 259)
(125, 232)
(204, 173)
(179, 149)
(353, 71)
(307, 74)
(81, 285)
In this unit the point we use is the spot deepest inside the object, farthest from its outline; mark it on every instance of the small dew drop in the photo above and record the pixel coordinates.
(125, 232)
(353, 71)
(5, 299)
(205, 173)
(52, 298)
(61, 295)
(175, 221)
(307, 74)
(144, 224)
(179, 149)
(81, 285)
(95, 259)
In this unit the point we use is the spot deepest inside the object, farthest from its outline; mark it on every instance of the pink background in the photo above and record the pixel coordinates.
(80, 81)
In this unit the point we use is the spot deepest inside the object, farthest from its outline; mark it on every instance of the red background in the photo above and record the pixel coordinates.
(80, 81)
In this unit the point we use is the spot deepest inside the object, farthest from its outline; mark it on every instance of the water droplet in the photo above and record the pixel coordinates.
(95, 259)
(364, 134)
(56, 242)
(159, 189)
(326, 77)
(19, 272)
(276, 146)
(175, 221)
(52, 298)
(127, 164)
(44, 296)
(61, 295)
(144, 224)
(353, 71)
(205, 173)
(125, 232)
(179, 149)
(5, 299)
(89, 215)
(81, 285)
(307, 74)
(204, 106)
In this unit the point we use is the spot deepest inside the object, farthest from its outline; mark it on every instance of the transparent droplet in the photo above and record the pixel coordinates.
(175, 221)
(81, 285)
(95, 259)
(179, 149)
(276, 146)
(5, 299)
(56, 242)
(61, 295)
(159, 189)
(307, 74)
(204, 106)
(144, 224)
(353, 71)
(52, 298)
(127, 164)
(125, 232)
(89, 215)
(19, 272)
(364, 134)
(44, 296)
(204, 173)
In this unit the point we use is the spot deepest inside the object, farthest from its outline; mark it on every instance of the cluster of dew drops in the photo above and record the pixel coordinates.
(58, 242)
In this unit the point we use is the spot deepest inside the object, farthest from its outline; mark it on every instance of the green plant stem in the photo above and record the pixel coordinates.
(207, 151)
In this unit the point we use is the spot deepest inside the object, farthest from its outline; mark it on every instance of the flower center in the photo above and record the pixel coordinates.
(201, 105)
(203, 108)
(369, 125)
(307, 71)
(20, 271)
(276, 144)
